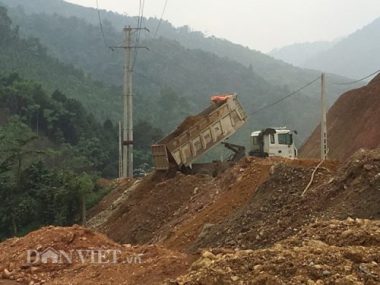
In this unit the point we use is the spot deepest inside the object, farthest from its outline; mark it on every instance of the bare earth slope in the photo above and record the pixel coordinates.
(352, 123)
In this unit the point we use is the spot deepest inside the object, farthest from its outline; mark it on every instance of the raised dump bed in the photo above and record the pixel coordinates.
(198, 134)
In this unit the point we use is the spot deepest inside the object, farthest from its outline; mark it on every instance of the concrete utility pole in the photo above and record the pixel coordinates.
(128, 107)
(324, 147)
(120, 151)
(127, 122)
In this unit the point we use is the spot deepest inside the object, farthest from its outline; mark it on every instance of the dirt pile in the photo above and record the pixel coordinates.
(231, 191)
(352, 123)
(333, 252)
(78, 250)
(279, 209)
(276, 211)
(355, 190)
(151, 204)
(175, 211)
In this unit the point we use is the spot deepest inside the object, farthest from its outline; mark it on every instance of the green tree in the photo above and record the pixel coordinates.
(15, 147)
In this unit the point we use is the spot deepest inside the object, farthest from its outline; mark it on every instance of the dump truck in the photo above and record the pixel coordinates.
(273, 142)
(198, 134)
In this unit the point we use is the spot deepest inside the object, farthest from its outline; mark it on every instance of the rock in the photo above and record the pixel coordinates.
(348, 280)
(368, 167)
(208, 254)
(347, 233)
(6, 274)
(316, 243)
(326, 273)
(350, 220)
(25, 266)
(205, 230)
(201, 263)
(258, 267)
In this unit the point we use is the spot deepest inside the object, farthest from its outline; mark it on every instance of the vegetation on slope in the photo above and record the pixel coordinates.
(168, 69)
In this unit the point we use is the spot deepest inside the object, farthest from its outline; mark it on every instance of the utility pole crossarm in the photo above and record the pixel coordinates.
(130, 47)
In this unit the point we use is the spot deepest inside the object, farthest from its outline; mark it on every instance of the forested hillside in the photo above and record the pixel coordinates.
(68, 121)
(31, 60)
(189, 75)
(52, 148)
(278, 72)
(50, 155)
(51, 152)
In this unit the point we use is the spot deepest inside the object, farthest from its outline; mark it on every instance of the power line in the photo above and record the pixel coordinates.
(160, 21)
(287, 96)
(101, 26)
(139, 28)
(356, 81)
(139, 13)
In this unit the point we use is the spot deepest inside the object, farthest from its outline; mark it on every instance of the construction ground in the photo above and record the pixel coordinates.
(252, 224)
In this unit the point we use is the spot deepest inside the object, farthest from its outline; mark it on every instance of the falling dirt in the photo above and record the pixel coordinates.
(112, 198)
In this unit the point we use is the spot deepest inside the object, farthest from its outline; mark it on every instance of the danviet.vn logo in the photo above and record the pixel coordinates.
(97, 256)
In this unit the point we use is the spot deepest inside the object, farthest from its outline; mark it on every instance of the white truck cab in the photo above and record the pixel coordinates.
(273, 142)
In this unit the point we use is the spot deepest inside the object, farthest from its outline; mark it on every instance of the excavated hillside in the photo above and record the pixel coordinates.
(252, 224)
(352, 123)
(280, 207)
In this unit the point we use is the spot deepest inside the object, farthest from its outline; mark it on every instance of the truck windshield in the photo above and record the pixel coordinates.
(285, 139)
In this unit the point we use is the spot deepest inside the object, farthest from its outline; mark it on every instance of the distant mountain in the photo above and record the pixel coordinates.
(275, 71)
(354, 56)
(297, 54)
(193, 66)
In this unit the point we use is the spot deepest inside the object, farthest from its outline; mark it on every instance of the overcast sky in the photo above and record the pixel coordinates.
(259, 24)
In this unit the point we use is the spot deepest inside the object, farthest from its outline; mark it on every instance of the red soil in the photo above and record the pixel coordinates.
(352, 123)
